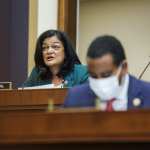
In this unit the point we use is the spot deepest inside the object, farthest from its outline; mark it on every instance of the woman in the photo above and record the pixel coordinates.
(56, 62)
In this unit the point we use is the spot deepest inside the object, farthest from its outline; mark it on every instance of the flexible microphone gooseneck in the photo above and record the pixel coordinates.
(140, 76)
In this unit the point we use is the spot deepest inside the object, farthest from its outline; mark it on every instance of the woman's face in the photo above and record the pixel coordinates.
(53, 52)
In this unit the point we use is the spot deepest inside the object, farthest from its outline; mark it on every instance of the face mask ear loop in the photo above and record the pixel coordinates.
(119, 70)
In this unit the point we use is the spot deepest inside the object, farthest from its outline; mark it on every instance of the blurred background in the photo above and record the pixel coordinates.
(22, 21)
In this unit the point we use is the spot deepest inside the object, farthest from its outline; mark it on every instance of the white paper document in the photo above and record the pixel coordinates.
(47, 86)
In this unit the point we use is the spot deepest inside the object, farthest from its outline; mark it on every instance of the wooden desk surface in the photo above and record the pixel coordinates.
(30, 99)
(74, 125)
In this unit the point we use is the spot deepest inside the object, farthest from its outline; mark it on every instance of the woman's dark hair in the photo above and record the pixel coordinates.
(107, 44)
(70, 60)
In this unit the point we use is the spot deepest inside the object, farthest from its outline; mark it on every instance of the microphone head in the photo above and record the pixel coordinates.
(42, 70)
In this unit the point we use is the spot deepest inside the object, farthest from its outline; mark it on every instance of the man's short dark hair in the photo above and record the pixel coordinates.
(106, 44)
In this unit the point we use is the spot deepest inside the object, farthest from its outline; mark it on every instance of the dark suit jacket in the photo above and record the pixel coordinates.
(83, 96)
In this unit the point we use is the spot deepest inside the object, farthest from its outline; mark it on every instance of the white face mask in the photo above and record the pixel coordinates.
(107, 88)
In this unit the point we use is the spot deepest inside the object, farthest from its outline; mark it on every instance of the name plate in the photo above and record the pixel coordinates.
(5, 85)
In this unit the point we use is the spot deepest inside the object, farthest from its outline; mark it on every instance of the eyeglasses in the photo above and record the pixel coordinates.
(55, 47)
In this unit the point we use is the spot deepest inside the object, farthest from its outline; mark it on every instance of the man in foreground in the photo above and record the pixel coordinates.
(110, 86)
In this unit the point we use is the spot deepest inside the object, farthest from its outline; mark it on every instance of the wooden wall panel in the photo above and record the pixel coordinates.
(67, 10)
(4, 39)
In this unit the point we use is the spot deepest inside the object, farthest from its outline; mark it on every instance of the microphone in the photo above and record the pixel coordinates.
(42, 70)
(142, 73)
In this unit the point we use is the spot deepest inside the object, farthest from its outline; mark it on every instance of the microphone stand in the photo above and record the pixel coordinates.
(144, 70)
